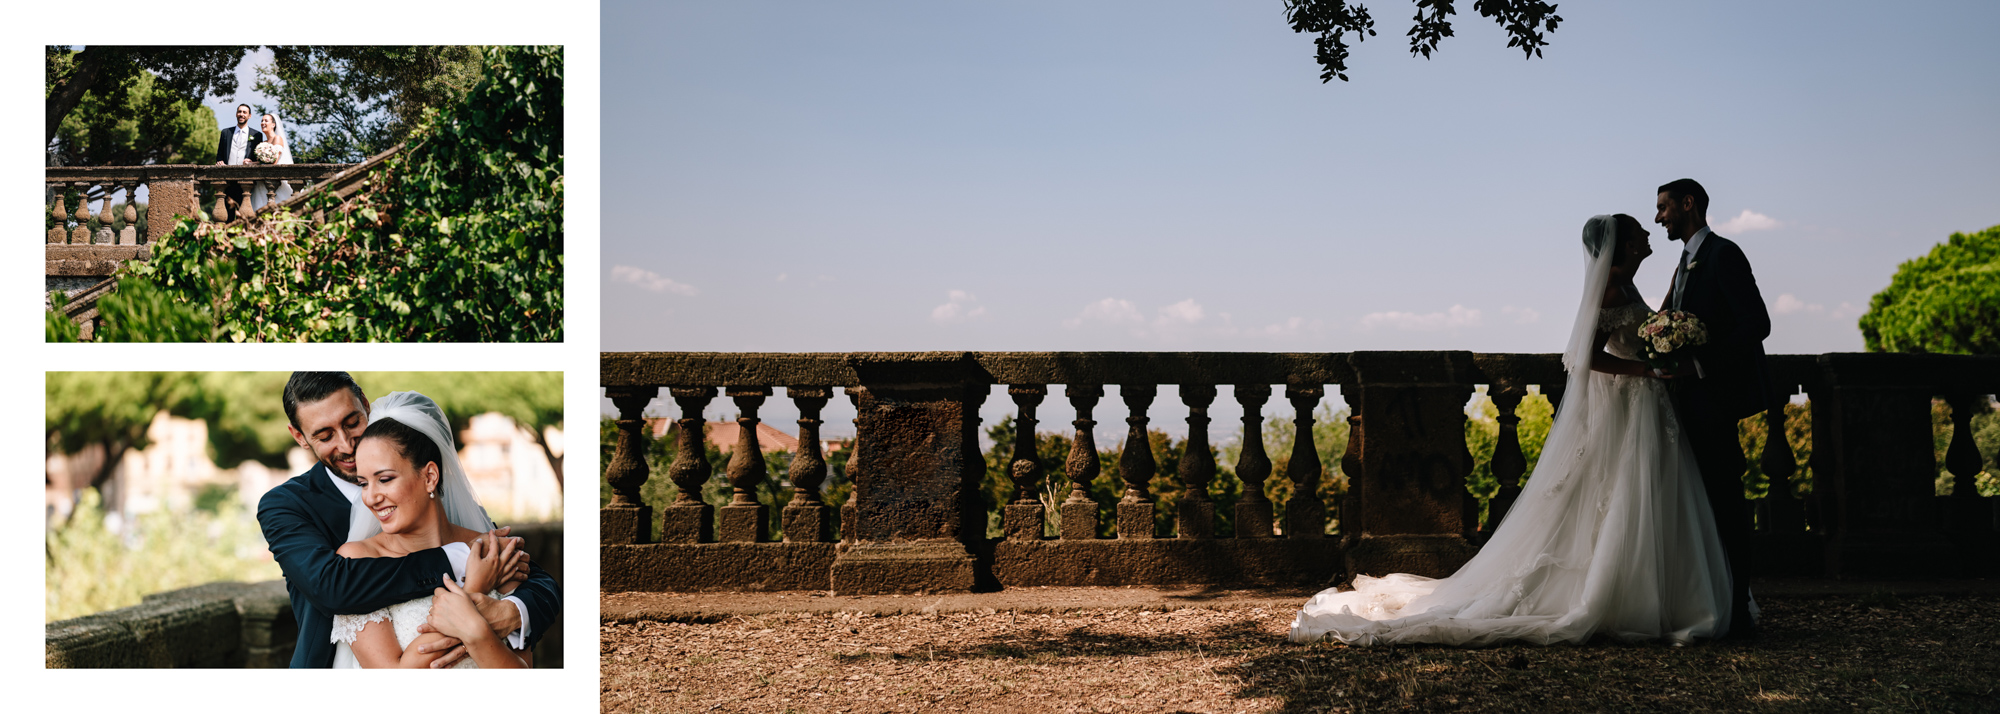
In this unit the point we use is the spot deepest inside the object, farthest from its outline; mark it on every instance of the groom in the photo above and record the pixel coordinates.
(306, 519)
(234, 150)
(1727, 380)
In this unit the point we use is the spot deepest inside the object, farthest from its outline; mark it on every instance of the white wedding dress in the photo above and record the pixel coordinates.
(260, 191)
(1612, 534)
(461, 508)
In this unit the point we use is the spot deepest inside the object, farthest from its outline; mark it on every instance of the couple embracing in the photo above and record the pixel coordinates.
(389, 559)
(1634, 525)
(241, 145)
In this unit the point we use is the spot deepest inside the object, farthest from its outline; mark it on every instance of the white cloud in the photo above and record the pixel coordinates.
(958, 307)
(1184, 312)
(1788, 303)
(1846, 311)
(1458, 316)
(1747, 221)
(1522, 315)
(1109, 311)
(782, 276)
(649, 280)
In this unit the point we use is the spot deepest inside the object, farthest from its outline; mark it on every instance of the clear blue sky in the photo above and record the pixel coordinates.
(1174, 176)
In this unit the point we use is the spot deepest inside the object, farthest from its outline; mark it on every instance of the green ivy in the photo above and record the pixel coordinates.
(456, 238)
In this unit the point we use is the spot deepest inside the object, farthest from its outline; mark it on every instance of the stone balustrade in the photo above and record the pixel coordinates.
(915, 521)
(173, 191)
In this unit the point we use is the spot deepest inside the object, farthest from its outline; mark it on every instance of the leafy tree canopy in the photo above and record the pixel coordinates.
(1331, 20)
(345, 103)
(1946, 302)
(112, 73)
(148, 124)
(245, 410)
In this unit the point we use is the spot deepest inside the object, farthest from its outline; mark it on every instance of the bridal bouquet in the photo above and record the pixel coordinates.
(1667, 332)
(268, 153)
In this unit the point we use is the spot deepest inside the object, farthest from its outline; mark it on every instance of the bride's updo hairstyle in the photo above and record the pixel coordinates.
(1624, 228)
(412, 444)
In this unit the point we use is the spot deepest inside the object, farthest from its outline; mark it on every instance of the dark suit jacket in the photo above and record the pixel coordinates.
(1722, 293)
(249, 148)
(305, 520)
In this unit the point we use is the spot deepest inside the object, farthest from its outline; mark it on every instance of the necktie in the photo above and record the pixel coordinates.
(1680, 278)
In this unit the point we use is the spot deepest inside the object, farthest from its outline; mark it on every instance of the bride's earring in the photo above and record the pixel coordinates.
(434, 493)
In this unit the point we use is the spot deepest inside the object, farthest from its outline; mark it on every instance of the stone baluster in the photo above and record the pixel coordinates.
(1253, 511)
(1970, 515)
(1508, 463)
(130, 234)
(806, 518)
(744, 519)
(1196, 518)
(1783, 512)
(627, 519)
(221, 207)
(1136, 465)
(688, 519)
(1022, 518)
(1305, 515)
(1079, 512)
(80, 235)
(104, 234)
(58, 233)
(850, 511)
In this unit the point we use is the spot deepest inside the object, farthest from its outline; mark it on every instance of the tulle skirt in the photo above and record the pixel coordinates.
(1613, 534)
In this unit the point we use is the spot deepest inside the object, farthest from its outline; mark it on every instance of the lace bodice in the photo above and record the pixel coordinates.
(1623, 324)
(404, 616)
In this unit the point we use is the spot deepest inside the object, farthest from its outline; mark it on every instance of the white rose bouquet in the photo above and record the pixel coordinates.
(268, 153)
(1668, 332)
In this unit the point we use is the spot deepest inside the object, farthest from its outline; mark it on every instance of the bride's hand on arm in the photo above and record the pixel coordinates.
(483, 567)
(514, 565)
(375, 648)
(454, 614)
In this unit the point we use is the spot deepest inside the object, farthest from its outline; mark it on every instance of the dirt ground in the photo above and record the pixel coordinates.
(1129, 650)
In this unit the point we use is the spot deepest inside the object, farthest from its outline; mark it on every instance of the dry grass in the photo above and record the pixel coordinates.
(1877, 653)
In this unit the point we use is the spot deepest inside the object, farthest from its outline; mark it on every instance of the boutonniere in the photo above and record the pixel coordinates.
(1692, 264)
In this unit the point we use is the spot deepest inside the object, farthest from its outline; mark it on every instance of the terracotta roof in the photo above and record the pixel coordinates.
(723, 435)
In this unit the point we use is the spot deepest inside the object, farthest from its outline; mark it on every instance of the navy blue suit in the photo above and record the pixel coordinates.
(305, 520)
(1734, 383)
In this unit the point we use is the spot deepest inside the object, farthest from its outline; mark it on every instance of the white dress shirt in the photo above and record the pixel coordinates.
(239, 147)
(457, 553)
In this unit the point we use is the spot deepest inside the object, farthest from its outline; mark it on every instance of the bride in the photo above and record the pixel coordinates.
(419, 498)
(274, 134)
(1613, 534)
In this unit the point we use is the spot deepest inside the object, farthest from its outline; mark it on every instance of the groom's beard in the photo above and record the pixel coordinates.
(333, 463)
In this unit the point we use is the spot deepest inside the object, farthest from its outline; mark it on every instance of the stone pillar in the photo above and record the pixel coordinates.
(627, 519)
(745, 520)
(1406, 509)
(917, 430)
(169, 198)
(1872, 450)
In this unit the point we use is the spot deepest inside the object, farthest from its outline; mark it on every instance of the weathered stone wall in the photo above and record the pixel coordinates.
(208, 626)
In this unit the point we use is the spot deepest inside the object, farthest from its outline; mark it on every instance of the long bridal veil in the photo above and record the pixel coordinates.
(1611, 533)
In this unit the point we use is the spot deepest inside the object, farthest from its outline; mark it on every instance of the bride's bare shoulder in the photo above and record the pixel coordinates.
(364, 548)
